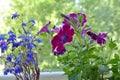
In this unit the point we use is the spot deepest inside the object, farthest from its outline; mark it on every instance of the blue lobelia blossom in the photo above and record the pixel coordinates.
(18, 69)
(4, 47)
(30, 55)
(6, 71)
(33, 21)
(38, 40)
(12, 36)
(24, 24)
(35, 63)
(30, 45)
(1, 37)
(15, 44)
(15, 15)
(9, 58)
(11, 70)
(18, 59)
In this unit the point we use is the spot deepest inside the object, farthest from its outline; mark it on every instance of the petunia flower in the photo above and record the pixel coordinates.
(79, 19)
(55, 29)
(84, 32)
(100, 38)
(44, 29)
(64, 36)
(83, 20)
(59, 49)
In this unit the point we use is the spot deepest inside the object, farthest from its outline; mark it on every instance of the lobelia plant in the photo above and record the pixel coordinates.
(87, 56)
(22, 50)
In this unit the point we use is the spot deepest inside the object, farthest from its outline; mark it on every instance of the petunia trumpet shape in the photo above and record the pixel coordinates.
(79, 19)
(44, 29)
(100, 38)
(64, 36)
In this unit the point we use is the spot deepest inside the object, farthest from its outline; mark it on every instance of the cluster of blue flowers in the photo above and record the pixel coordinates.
(25, 59)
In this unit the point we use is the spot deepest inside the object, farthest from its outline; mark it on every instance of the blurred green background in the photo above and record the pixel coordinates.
(102, 15)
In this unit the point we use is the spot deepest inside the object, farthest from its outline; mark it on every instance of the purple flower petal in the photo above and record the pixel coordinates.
(84, 32)
(44, 29)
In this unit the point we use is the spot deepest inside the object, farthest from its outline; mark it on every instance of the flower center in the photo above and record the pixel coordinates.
(64, 38)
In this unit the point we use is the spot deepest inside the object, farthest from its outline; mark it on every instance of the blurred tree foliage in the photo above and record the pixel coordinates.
(102, 15)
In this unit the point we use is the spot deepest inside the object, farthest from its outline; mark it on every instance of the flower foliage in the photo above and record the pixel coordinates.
(82, 49)
(21, 50)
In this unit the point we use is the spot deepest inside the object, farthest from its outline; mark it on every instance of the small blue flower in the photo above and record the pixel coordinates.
(35, 63)
(30, 55)
(18, 59)
(33, 21)
(24, 24)
(11, 70)
(1, 37)
(12, 36)
(15, 44)
(15, 15)
(38, 40)
(4, 47)
(9, 58)
(30, 45)
(18, 69)
(6, 71)
(21, 36)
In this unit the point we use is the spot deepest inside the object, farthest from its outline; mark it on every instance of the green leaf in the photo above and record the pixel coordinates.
(113, 61)
(75, 76)
(112, 45)
(116, 56)
(80, 18)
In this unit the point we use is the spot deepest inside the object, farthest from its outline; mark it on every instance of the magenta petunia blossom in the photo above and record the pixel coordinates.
(55, 29)
(84, 19)
(75, 17)
(100, 38)
(44, 28)
(64, 36)
(84, 32)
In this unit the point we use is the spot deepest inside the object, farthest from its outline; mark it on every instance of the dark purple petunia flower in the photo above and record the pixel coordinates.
(64, 36)
(79, 19)
(100, 38)
(44, 28)
(15, 15)
(92, 35)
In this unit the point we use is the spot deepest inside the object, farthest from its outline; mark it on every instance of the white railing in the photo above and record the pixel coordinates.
(43, 76)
